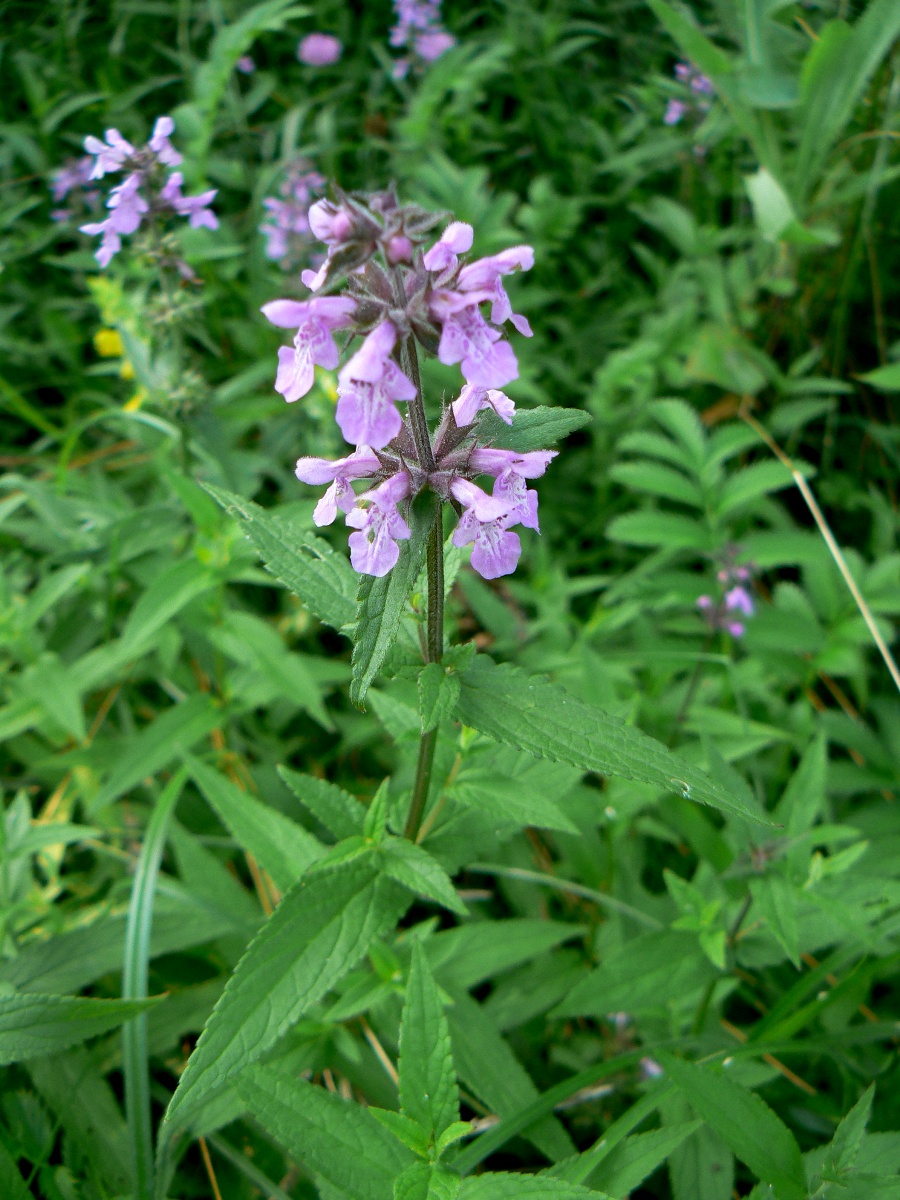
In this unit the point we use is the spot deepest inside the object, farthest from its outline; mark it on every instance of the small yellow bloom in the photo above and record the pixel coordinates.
(108, 343)
(136, 400)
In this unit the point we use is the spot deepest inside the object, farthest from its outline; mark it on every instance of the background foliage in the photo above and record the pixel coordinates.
(653, 997)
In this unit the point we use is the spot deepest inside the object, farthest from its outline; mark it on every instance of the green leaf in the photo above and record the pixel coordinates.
(629, 1164)
(381, 602)
(12, 1185)
(438, 694)
(744, 1122)
(318, 932)
(427, 1078)
(509, 800)
(335, 1138)
(776, 901)
(409, 1132)
(539, 717)
(653, 527)
(157, 745)
(772, 208)
(427, 1181)
(520, 1187)
(884, 379)
(532, 428)
(280, 846)
(416, 870)
(306, 565)
(702, 1167)
(166, 596)
(33, 1025)
(844, 1149)
(338, 811)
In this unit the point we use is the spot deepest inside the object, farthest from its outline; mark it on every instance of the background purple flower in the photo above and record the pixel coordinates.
(319, 49)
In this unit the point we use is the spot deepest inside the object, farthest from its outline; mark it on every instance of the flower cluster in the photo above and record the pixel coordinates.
(418, 30)
(287, 229)
(700, 95)
(735, 600)
(399, 295)
(148, 191)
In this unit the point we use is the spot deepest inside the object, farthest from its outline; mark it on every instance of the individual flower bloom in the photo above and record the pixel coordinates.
(379, 525)
(338, 473)
(74, 174)
(399, 249)
(482, 278)
(735, 628)
(319, 49)
(702, 85)
(127, 206)
(456, 239)
(675, 111)
(400, 69)
(683, 72)
(314, 343)
(485, 521)
(472, 399)
(704, 603)
(160, 145)
(329, 222)
(510, 469)
(194, 207)
(739, 600)
(467, 339)
(109, 155)
(245, 65)
(430, 46)
(368, 386)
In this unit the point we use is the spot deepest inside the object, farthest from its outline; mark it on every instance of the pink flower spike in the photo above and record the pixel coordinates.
(319, 49)
(374, 549)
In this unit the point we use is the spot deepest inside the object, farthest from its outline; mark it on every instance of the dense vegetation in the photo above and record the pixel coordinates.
(579, 979)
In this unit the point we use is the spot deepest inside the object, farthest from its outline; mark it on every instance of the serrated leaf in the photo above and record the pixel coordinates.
(335, 1138)
(33, 1025)
(416, 870)
(410, 1132)
(306, 565)
(338, 811)
(776, 901)
(438, 694)
(757, 1136)
(509, 800)
(427, 1181)
(318, 932)
(541, 718)
(520, 1187)
(884, 379)
(657, 528)
(280, 846)
(166, 596)
(532, 428)
(844, 1149)
(381, 602)
(428, 1092)
(629, 1164)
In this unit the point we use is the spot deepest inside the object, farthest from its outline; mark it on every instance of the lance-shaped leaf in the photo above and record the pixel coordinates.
(337, 1139)
(745, 1123)
(428, 1092)
(538, 716)
(33, 1025)
(381, 602)
(318, 932)
(532, 428)
(427, 1181)
(522, 1187)
(306, 565)
(415, 868)
(338, 811)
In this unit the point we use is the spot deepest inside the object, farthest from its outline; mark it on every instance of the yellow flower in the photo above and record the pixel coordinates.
(108, 343)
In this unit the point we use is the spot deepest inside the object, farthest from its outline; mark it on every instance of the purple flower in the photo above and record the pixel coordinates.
(675, 111)
(379, 525)
(194, 207)
(161, 146)
(340, 495)
(109, 155)
(245, 65)
(287, 229)
(430, 46)
(319, 49)
(467, 339)
(511, 469)
(486, 522)
(483, 279)
(399, 249)
(472, 399)
(330, 223)
(74, 174)
(456, 239)
(740, 600)
(127, 206)
(368, 386)
(315, 320)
